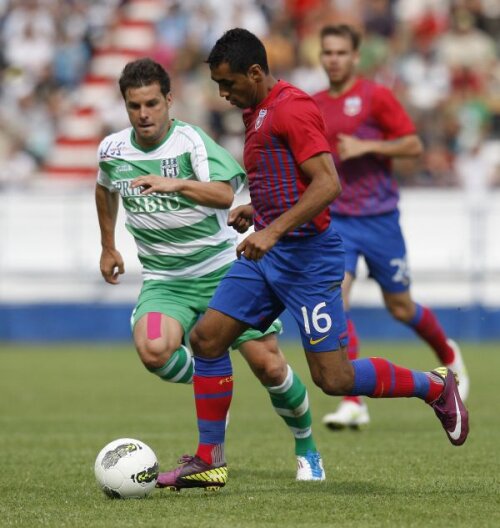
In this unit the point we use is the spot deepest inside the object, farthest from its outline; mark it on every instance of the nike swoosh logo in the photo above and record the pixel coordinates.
(316, 341)
(455, 434)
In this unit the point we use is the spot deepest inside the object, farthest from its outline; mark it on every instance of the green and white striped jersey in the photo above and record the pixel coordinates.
(176, 238)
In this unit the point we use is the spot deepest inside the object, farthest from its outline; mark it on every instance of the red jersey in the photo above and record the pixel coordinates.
(282, 132)
(368, 111)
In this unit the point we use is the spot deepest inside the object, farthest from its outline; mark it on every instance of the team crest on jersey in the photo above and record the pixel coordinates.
(169, 167)
(260, 118)
(352, 106)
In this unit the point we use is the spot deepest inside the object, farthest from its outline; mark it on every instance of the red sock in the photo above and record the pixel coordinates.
(213, 394)
(379, 378)
(353, 342)
(436, 386)
(352, 353)
(429, 329)
(392, 380)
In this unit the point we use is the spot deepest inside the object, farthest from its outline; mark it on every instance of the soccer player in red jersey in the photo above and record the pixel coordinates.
(366, 128)
(293, 260)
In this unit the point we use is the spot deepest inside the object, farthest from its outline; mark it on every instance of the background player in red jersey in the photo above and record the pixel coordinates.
(294, 260)
(366, 127)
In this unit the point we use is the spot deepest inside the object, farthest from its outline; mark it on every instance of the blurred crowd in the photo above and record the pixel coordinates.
(441, 57)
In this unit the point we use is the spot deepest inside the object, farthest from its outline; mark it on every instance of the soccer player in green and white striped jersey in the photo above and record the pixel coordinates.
(176, 185)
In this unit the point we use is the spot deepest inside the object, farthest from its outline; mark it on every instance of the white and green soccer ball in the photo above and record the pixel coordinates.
(126, 469)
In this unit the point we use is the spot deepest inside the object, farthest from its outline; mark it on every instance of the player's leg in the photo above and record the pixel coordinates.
(352, 412)
(425, 323)
(211, 339)
(385, 255)
(158, 341)
(213, 390)
(232, 310)
(335, 374)
(159, 322)
(314, 299)
(288, 396)
(379, 378)
(240, 301)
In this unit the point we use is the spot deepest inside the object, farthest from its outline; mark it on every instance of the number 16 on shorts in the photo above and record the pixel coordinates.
(324, 326)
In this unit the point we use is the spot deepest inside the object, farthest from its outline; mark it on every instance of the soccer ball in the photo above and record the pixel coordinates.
(126, 468)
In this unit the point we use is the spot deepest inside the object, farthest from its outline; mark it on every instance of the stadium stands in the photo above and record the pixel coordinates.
(414, 46)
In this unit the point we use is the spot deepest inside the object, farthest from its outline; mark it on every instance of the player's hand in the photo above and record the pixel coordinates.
(241, 218)
(256, 245)
(350, 147)
(111, 265)
(151, 183)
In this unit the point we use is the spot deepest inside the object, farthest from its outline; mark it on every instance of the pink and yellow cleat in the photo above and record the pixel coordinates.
(194, 473)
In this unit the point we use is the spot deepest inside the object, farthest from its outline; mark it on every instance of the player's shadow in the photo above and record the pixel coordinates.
(269, 481)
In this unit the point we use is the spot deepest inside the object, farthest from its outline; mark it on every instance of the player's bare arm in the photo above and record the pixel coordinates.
(216, 194)
(241, 218)
(405, 147)
(323, 189)
(111, 262)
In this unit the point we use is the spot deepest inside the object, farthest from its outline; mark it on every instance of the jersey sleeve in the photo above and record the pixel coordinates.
(102, 176)
(390, 114)
(300, 123)
(211, 162)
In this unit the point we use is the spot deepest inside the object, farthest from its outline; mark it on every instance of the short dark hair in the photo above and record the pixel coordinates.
(240, 49)
(342, 30)
(144, 72)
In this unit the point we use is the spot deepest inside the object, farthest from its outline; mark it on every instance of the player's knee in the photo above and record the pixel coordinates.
(155, 353)
(401, 311)
(335, 387)
(203, 343)
(271, 372)
(198, 341)
(338, 385)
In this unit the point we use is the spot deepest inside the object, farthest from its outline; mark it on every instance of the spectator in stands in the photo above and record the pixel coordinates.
(466, 49)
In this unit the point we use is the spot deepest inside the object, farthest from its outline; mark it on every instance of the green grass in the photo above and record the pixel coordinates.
(61, 404)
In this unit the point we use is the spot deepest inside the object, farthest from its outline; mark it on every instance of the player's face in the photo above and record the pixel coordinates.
(338, 59)
(240, 89)
(147, 110)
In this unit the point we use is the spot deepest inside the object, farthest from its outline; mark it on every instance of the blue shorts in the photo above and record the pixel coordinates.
(303, 275)
(378, 238)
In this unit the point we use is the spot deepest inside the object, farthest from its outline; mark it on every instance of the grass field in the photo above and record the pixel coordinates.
(61, 404)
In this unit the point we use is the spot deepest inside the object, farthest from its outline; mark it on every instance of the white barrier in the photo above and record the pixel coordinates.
(50, 247)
